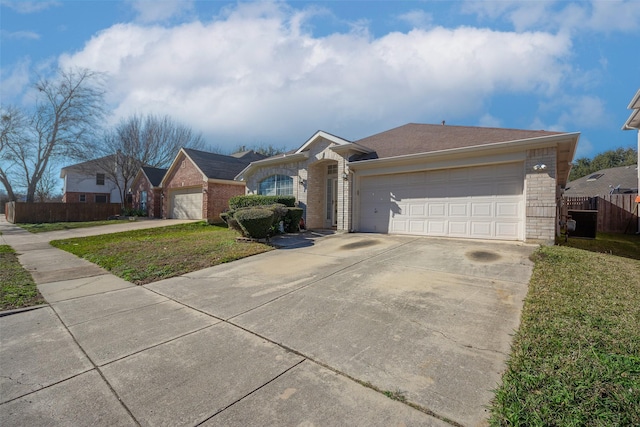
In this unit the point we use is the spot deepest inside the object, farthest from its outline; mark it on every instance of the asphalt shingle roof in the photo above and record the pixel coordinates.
(155, 175)
(624, 176)
(218, 166)
(414, 138)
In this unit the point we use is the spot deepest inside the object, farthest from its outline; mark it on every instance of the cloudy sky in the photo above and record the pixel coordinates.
(274, 72)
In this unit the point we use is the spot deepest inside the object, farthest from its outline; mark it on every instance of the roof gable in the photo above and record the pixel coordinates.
(154, 175)
(324, 135)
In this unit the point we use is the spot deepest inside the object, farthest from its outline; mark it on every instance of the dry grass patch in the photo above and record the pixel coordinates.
(145, 256)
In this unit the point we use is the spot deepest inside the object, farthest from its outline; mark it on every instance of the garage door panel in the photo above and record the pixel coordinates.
(476, 202)
(458, 228)
(458, 209)
(506, 229)
(186, 204)
(437, 209)
(437, 228)
(481, 209)
(481, 229)
(507, 209)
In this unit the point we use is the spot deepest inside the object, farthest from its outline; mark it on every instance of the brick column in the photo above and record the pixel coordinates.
(540, 190)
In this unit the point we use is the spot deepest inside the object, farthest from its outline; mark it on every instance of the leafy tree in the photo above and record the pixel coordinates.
(609, 159)
(63, 124)
(144, 141)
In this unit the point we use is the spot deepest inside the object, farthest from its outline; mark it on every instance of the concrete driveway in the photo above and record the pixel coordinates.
(315, 333)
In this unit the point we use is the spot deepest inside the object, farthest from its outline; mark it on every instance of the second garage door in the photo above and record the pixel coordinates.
(480, 202)
(186, 204)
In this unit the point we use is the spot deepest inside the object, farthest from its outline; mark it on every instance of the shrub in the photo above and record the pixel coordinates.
(292, 220)
(232, 223)
(255, 222)
(253, 200)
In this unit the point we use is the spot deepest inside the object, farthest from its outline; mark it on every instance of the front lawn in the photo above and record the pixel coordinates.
(17, 288)
(56, 226)
(575, 360)
(145, 256)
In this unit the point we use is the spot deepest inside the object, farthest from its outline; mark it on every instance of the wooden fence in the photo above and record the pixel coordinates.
(617, 213)
(33, 213)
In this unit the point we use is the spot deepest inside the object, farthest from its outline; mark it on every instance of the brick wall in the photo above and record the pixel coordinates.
(216, 199)
(540, 190)
(184, 175)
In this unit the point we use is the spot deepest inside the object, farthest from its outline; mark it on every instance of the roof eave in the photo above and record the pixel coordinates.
(352, 146)
(537, 142)
(324, 135)
(287, 158)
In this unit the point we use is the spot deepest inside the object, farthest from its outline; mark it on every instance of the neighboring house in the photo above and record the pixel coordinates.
(147, 191)
(198, 185)
(433, 180)
(620, 180)
(88, 182)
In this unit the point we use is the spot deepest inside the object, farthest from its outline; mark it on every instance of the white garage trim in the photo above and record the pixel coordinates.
(186, 203)
(482, 202)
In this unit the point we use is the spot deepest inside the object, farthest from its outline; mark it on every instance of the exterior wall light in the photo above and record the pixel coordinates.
(345, 176)
(539, 167)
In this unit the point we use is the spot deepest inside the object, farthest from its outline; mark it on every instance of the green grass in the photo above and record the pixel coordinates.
(56, 226)
(145, 256)
(17, 288)
(575, 359)
(624, 245)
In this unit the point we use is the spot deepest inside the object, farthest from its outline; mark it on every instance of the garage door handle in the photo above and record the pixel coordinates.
(375, 210)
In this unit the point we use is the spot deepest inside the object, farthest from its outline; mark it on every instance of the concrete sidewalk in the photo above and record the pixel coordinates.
(311, 334)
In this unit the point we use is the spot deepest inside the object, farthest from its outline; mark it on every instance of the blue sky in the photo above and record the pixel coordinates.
(275, 72)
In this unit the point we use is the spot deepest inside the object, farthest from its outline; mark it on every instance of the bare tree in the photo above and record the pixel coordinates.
(144, 141)
(63, 124)
(45, 190)
(265, 149)
(12, 133)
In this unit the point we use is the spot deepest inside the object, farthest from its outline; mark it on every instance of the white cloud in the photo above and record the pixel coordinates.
(417, 18)
(254, 74)
(487, 120)
(19, 35)
(14, 79)
(160, 10)
(29, 6)
(595, 15)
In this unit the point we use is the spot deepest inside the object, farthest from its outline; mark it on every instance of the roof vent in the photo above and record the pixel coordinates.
(595, 176)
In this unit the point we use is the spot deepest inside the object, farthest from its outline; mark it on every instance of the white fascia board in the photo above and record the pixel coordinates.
(325, 135)
(224, 181)
(635, 102)
(287, 158)
(521, 144)
(633, 122)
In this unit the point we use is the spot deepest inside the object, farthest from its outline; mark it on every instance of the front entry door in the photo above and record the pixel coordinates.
(332, 202)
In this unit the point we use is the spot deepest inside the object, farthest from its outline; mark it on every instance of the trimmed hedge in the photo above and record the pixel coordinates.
(292, 220)
(255, 222)
(253, 200)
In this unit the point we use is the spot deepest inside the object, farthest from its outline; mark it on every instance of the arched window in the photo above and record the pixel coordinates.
(276, 185)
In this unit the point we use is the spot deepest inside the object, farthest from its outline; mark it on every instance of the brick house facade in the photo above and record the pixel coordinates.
(373, 184)
(198, 185)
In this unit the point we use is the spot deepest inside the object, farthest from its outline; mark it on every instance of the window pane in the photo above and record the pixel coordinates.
(280, 185)
(100, 179)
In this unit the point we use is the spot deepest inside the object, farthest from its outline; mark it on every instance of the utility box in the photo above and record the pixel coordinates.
(586, 223)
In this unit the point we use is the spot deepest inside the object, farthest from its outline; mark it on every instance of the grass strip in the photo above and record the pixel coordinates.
(145, 256)
(56, 226)
(17, 288)
(575, 360)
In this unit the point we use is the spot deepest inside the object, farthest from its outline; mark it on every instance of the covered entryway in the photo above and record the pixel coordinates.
(484, 202)
(186, 203)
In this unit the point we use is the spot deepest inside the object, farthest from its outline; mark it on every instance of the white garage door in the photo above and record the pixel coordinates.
(480, 202)
(186, 204)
